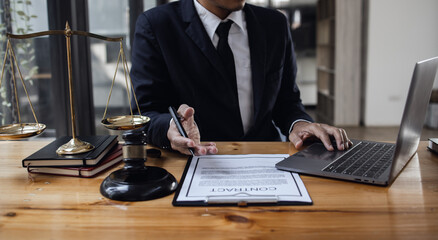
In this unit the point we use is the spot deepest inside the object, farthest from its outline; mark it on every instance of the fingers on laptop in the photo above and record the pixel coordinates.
(322, 131)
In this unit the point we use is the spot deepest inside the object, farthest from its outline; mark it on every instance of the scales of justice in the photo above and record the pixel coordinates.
(134, 182)
(75, 145)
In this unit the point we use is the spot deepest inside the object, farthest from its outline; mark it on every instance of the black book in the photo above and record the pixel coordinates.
(47, 156)
(111, 159)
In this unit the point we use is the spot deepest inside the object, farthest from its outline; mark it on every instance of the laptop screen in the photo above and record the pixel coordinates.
(425, 73)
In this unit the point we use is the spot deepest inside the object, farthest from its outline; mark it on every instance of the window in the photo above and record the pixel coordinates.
(118, 21)
(33, 57)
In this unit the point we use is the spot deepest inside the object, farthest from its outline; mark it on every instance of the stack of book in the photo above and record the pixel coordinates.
(433, 145)
(106, 154)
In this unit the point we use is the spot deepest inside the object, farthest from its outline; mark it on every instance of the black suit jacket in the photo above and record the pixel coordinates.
(175, 62)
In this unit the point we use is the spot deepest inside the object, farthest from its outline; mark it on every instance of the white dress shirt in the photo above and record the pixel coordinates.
(238, 41)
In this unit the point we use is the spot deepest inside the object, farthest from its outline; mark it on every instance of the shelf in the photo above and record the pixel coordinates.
(327, 19)
(326, 94)
(338, 46)
(325, 57)
(326, 69)
(325, 9)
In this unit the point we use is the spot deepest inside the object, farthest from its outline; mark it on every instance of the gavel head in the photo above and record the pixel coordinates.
(133, 137)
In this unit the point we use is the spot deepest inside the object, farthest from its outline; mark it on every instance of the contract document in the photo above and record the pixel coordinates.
(239, 179)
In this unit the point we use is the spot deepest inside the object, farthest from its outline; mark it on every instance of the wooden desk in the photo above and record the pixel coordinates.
(54, 207)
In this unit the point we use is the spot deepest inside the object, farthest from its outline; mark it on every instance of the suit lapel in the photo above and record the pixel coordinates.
(257, 46)
(195, 30)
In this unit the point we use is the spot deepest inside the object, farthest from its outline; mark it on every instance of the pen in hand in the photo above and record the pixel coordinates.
(178, 124)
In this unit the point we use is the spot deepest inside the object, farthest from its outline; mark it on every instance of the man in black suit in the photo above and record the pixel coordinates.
(232, 62)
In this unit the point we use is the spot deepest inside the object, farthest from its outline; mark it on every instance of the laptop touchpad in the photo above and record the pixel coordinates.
(318, 151)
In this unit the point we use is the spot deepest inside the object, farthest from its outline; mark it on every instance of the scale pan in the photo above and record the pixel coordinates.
(127, 122)
(20, 130)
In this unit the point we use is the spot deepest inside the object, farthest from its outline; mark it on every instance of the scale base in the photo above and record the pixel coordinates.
(138, 184)
(74, 146)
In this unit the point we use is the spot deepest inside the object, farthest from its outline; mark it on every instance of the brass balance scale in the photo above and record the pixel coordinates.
(21, 130)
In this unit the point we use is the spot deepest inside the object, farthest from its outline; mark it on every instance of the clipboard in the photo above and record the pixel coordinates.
(241, 199)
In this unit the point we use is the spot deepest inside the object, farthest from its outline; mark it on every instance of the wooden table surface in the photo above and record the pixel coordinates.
(57, 207)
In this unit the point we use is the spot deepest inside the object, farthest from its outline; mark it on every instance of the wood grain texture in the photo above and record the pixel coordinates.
(56, 207)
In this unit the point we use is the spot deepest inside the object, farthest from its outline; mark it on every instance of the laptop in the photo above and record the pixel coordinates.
(373, 162)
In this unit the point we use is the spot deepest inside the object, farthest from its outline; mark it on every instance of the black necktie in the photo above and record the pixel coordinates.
(224, 50)
(225, 53)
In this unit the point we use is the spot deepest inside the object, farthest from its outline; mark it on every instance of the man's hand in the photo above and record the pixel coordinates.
(182, 144)
(304, 130)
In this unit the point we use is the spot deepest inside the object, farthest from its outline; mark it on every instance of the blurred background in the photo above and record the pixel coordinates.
(355, 60)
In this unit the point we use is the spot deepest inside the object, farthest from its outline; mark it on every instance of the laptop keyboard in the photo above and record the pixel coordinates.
(366, 159)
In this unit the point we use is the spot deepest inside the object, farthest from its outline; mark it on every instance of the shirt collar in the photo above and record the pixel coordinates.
(211, 21)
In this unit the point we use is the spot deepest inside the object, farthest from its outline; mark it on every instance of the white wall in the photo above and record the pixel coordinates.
(306, 79)
(400, 33)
